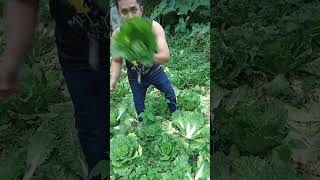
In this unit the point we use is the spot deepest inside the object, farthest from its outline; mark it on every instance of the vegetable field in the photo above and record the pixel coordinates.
(266, 89)
(164, 146)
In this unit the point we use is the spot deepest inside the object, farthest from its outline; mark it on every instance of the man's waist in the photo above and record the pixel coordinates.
(145, 71)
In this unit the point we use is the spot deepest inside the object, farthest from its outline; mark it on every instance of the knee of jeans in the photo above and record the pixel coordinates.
(139, 102)
(171, 96)
(91, 123)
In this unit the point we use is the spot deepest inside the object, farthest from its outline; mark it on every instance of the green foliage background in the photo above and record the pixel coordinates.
(265, 72)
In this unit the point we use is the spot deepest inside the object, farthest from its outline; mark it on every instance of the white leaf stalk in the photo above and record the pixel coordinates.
(190, 131)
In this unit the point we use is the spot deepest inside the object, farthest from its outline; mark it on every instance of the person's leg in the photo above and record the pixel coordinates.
(89, 93)
(161, 82)
(139, 95)
(90, 97)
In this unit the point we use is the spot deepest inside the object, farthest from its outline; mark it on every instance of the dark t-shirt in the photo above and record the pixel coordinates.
(145, 72)
(76, 24)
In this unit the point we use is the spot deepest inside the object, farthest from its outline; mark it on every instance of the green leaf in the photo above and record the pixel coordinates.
(239, 95)
(191, 125)
(124, 150)
(312, 67)
(101, 168)
(188, 100)
(135, 41)
(277, 86)
(38, 151)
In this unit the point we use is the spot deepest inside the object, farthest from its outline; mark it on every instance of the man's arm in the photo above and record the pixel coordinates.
(116, 66)
(20, 18)
(163, 54)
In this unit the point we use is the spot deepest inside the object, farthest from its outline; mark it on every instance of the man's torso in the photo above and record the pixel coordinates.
(77, 21)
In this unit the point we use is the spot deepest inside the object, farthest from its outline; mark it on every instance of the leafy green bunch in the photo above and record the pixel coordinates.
(135, 41)
(124, 149)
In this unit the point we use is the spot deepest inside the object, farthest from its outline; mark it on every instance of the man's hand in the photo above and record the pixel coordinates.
(8, 80)
(113, 85)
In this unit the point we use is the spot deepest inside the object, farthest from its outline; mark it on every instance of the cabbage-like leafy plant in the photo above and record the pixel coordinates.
(189, 100)
(191, 125)
(149, 116)
(256, 128)
(159, 105)
(166, 147)
(124, 149)
(151, 130)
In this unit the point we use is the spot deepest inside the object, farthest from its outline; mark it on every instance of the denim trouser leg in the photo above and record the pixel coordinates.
(161, 82)
(139, 94)
(90, 96)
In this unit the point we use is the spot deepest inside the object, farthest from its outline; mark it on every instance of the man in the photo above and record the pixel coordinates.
(82, 37)
(140, 78)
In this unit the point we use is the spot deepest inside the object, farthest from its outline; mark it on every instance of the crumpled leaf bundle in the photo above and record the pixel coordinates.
(135, 41)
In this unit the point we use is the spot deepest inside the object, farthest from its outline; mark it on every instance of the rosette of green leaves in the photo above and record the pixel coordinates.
(124, 149)
(150, 130)
(159, 104)
(149, 116)
(166, 147)
(191, 125)
(135, 41)
(189, 100)
(256, 128)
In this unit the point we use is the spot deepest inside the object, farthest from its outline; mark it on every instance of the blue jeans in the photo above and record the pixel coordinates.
(160, 81)
(90, 97)
(89, 91)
